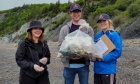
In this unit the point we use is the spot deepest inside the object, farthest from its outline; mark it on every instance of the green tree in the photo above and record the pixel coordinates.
(123, 4)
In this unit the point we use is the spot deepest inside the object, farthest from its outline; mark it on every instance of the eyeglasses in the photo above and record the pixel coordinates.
(100, 21)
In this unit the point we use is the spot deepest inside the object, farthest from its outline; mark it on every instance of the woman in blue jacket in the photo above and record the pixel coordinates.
(105, 68)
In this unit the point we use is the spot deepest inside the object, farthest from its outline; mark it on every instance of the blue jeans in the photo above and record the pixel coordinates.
(69, 74)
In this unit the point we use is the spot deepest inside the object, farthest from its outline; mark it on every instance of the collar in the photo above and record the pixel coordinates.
(108, 32)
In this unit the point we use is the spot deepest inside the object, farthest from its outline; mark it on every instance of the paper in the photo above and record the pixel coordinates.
(108, 43)
(101, 48)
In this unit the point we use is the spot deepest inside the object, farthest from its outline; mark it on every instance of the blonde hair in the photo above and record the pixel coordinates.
(111, 27)
(30, 37)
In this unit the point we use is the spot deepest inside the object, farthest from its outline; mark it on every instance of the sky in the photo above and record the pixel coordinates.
(8, 4)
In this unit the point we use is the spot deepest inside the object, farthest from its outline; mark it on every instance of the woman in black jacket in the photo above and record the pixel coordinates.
(33, 56)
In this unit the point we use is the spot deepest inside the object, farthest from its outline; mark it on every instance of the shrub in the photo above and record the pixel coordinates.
(22, 36)
(80, 2)
(103, 3)
(51, 14)
(123, 4)
(108, 9)
(45, 26)
(118, 20)
(133, 10)
(57, 23)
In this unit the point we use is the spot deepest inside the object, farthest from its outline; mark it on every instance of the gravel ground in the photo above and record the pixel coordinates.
(128, 64)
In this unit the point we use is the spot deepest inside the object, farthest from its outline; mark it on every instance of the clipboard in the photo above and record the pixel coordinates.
(108, 43)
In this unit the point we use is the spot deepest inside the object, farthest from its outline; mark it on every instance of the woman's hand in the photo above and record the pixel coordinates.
(43, 60)
(92, 59)
(38, 68)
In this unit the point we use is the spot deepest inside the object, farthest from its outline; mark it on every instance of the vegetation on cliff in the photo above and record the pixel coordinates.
(120, 11)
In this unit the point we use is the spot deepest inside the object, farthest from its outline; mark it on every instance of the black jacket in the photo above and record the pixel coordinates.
(27, 56)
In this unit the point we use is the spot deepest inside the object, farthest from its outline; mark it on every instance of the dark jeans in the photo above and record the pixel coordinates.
(104, 78)
(83, 74)
(25, 79)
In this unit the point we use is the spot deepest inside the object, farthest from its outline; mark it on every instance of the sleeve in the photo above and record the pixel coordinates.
(91, 32)
(21, 57)
(61, 36)
(48, 54)
(116, 53)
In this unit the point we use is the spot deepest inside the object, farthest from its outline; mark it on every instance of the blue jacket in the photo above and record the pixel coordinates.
(108, 65)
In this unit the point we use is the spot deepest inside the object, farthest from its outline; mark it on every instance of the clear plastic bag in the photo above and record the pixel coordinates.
(77, 43)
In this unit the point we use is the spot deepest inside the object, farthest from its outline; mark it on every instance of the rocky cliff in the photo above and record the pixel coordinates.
(49, 35)
(129, 30)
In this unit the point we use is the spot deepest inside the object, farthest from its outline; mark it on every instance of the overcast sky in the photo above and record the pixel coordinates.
(7, 4)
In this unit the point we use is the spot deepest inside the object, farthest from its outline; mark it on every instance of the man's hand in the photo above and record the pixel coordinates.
(43, 60)
(83, 24)
(38, 68)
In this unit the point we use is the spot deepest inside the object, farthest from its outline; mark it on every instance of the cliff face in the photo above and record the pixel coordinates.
(131, 29)
(2, 16)
(49, 35)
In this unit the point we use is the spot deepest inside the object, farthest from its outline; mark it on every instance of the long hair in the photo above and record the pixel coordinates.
(111, 27)
(30, 37)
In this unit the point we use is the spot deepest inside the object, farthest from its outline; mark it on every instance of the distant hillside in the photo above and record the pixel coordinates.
(122, 12)
(18, 16)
